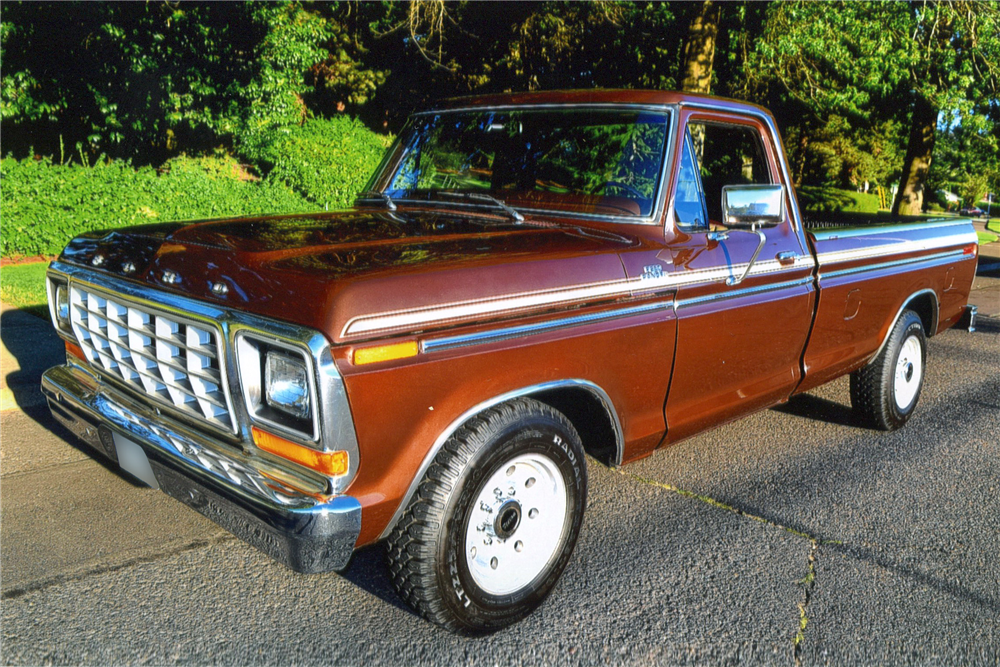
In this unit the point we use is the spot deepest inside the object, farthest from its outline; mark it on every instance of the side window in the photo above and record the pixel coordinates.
(727, 155)
(689, 201)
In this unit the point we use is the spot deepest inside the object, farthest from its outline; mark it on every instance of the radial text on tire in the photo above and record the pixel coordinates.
(494, 521)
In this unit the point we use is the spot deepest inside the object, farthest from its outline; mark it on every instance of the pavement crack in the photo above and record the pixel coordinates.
(708, 500)
(807, 584)
(32, 587)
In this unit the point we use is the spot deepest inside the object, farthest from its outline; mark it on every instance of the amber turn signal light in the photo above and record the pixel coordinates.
(328, 463)
(370, 355)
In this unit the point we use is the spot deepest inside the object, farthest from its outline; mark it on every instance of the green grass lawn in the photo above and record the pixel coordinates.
(23, 286)
(986, 237)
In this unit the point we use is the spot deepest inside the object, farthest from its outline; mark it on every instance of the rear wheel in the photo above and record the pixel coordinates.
(494, 521)
(885, 392)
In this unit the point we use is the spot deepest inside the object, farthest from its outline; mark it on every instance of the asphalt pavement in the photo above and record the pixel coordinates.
(792, 536)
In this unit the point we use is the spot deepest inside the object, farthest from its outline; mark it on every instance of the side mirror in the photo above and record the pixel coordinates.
(753, 206)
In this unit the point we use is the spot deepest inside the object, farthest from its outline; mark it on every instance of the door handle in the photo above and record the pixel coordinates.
(787, 257)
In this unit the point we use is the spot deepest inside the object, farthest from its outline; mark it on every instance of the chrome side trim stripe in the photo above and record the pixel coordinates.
(852, 232)
(940, 256)
(900, 247)
(735, 294)
(404, 319)
(507, 333)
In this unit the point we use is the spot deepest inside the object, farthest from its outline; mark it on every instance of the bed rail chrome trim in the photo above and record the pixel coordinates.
(885, 250)
(507, 333)
(853, 232)
(954, 255)
(599, 393)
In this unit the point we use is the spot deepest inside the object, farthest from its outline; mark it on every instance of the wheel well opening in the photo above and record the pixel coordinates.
(925, 306)
(589, 415)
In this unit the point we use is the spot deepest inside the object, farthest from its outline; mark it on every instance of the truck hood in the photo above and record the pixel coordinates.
(324, 270)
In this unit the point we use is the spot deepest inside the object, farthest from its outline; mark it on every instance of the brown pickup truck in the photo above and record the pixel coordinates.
(528, 279)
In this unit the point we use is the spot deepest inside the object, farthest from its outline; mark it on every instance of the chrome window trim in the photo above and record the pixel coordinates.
(656, 215)
(508, 333)
(680, 304)
(336, 426)
(782, 159)
(956, 255)
(594, 389)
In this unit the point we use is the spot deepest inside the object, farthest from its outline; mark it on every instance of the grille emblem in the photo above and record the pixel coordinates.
(170, 277)
(220, 289)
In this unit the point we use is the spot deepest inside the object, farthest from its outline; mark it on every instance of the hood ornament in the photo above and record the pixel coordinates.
(170, 277)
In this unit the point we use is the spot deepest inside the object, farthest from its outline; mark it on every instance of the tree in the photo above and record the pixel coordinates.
(699, 48)
(875, 62)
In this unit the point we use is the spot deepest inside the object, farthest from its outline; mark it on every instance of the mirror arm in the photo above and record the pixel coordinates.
(760, 245)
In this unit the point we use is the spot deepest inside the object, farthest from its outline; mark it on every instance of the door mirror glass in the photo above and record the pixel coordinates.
(751, 206)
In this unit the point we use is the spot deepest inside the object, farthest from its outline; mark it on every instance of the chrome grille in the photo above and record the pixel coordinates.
(162, 356)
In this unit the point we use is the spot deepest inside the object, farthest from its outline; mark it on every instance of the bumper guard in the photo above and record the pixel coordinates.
(305, 533)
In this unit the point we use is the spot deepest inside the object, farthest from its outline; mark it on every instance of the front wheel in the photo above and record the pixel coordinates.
(885, 392)
(495, 519)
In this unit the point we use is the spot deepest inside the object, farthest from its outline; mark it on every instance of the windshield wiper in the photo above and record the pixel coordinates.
(517, 217)
(389, 204)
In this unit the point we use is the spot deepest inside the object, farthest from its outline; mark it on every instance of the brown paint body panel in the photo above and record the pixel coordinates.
(708, 353)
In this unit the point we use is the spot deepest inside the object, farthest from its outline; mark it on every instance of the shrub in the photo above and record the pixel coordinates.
(326, 161)
(822, 199)
(43, 205)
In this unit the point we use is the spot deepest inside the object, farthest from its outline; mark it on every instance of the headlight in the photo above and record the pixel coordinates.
(58, 293)
(286, 384)
(278, 386)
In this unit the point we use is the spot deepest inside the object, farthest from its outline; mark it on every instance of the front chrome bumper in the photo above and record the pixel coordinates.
(306, 533)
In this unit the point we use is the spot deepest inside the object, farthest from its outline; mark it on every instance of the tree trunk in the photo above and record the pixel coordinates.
(910, 197)
(699, 49)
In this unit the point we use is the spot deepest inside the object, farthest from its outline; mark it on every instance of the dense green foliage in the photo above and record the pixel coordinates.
(46, 204)
(277, 85)
(326, 161)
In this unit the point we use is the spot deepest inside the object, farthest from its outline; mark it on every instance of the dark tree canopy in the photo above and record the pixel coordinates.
(864, 91)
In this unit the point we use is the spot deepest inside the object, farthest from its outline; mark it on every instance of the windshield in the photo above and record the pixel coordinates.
(596, 161)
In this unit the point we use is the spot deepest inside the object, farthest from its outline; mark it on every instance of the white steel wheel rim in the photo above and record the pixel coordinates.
(516, 524)
(909, 371)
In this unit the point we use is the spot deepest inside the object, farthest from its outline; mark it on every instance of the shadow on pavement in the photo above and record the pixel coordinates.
(367, 570)
(36, 347)
(820, 409)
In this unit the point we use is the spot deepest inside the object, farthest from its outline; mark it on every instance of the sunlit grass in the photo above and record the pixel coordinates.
(23, 286)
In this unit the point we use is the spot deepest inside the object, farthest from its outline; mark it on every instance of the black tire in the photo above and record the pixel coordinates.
(876, 388)
(427, 548)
